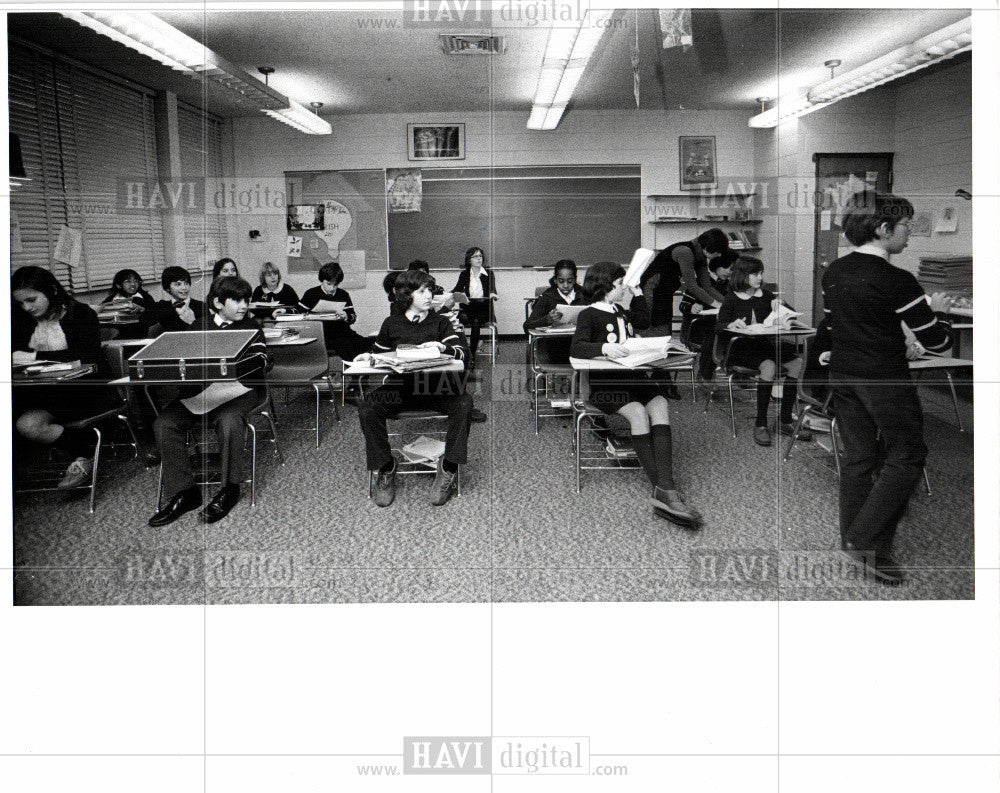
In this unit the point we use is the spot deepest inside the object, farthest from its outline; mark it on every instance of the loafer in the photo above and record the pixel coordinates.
(477, 416)
(788, 429)
(881, 566)
(445, 484)
(670, 502)
(79, 471)
(183, 502)
(762, 436)
(219, 506)
(384, 490)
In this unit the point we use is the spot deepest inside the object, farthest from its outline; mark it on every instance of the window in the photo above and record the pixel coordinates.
(201, 159)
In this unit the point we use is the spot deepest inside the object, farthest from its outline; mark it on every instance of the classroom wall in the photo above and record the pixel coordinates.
(926, 121)
(264, 149)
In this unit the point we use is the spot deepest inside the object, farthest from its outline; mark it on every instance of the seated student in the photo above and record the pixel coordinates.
(745, 304)
(272, 290)
(600, 330)
(340, 337)
(127, 285)
(563, 291)
(225, 268)
(180, 311)
(49, 325)
(480, 286)
(413, 321)
(228, 300)
(719, 269)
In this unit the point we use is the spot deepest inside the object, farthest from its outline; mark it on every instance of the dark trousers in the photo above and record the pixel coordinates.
(872, 501)
(229, 422)
(441, 394)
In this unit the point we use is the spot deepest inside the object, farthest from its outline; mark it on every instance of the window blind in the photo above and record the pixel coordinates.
(205, 236)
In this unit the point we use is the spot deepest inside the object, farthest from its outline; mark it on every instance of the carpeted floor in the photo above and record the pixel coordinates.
(518, 532)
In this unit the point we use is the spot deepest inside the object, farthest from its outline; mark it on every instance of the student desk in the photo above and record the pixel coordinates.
(360, 370)
(948, 366)
(683, 362)
(540, 371)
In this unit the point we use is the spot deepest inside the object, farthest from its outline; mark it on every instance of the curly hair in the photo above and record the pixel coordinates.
(408, 282)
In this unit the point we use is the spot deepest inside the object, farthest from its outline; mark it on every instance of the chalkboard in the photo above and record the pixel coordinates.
(521, 217)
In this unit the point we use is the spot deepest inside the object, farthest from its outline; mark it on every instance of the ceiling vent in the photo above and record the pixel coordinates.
(472, 44)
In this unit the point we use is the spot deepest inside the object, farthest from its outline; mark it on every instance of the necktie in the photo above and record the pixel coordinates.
(415, 320)
(225, 324)
(178, 303)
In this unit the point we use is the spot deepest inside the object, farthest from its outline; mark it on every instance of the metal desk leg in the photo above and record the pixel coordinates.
(954, 400)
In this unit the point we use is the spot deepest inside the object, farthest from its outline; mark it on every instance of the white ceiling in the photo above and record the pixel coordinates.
(369, 62)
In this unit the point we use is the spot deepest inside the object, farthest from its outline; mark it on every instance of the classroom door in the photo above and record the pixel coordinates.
(838, 176)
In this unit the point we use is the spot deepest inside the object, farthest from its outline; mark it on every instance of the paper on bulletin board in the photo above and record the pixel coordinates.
(825, 220)
(15, 233)
(920, 226)
(294, 247)
(69, 248)
(353, 265)
(947, 221)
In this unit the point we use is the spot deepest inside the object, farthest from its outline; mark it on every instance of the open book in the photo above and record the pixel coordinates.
(644, 351)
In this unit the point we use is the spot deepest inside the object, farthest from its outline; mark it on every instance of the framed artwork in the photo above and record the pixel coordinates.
(697, 162)
(305, 217)
(435, 141)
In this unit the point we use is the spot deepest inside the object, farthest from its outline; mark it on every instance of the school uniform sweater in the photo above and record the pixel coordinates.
(141, 298)
(597, 326)
(79, 325)
(285, 296)
(754, 310)
(399, 329)
(165, 315)
(865, 298)
(311, 297)
(549, 299)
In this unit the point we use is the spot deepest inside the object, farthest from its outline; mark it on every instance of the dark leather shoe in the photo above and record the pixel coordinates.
(183, 502)
(671, 503)
(477, 416)
(881, 566)
(219, 506)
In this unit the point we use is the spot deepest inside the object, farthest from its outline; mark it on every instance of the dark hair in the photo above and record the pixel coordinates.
(713, 241)
(268, 267)
(739, 279)
(867, 210)
(41, 280)
(600, 280)
(229, 287)
(171, 274)
(120, 278)
(217, 267)
(419, 264)
(562, 264)
(406, 284)
(389, 282)
(472, 252)
(332, 272)
(725, 259)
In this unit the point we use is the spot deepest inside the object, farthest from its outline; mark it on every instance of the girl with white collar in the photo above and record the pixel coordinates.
(639, 397)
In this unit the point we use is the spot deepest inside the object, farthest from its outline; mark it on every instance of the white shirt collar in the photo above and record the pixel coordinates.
(603, 305)
(568, 298)
(219, 321)
(873, 249)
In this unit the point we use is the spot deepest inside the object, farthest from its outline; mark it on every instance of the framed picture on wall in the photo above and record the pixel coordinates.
(435, 141)
(697, 162)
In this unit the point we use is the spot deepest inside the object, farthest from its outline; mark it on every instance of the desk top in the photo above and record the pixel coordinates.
(558, 330)
(21, 376)
(935, 362)
(604, 364)
(353, 367)
(792, 333)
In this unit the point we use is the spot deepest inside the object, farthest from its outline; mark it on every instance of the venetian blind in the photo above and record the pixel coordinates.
(201, 162)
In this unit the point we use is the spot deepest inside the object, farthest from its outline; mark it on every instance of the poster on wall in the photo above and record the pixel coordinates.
(697, 162)
(351, 207)
(305, 217)
(403, 189)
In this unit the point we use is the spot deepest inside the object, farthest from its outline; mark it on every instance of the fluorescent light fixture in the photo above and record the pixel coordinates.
(295, 115)
(151, 36)
(933, 48)
(567, 53)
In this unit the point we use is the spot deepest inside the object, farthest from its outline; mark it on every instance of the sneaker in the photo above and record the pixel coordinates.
(788, 429)
(444, 486)
(762, 436)
(79, 471)
(385, 486)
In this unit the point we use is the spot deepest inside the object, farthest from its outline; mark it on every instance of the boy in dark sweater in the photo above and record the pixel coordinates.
(865, 300)
(412, 321)
(179, 311)
(228, 298)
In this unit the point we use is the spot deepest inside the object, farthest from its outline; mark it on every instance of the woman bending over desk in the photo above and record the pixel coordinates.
(49, 325)
(638, 396)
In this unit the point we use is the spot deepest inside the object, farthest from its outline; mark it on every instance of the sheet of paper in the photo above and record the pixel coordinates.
(570, 314)
(825, 220)
(328, 306)
(947, 221)
(216, 394)
(640, 261)
(69, 248)
(294, 247)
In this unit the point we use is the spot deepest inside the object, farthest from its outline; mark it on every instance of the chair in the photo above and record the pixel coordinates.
(200, 440)
(554, 363)
(304, 366)
(399, 439)
(721, 352)
(108, 334)
(593, 456)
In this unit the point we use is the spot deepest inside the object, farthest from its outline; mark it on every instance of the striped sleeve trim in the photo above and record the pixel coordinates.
(446, 339)
(930, 324)
(910, 305)
(381, 347)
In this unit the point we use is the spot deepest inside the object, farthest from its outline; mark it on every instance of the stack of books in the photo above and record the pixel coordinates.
(945, 273)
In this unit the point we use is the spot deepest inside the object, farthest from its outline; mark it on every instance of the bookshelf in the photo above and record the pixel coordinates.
(679, 217)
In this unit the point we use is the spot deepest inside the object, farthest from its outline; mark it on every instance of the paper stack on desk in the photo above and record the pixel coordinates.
(417, 352)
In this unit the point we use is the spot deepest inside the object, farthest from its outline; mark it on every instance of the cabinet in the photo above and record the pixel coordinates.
(679, 217)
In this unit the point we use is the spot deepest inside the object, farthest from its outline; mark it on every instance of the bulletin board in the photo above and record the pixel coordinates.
(337, 216)
(521, 216)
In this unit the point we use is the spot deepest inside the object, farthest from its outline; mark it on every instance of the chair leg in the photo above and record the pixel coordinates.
(694, 391)
(539, 377)
(732, 405)
(253, 464)
(316, 389)
(927, 483)
(795, 432)
(274, 436)
(93, 473)
(576, 434)
(954, 401)
(159, 489)
(834, 444)
(123, 418)
(333, 401)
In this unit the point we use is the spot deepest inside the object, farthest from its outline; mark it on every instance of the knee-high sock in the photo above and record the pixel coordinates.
(643, 445)
(787, 400)
(763, 400)
(663, 448)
